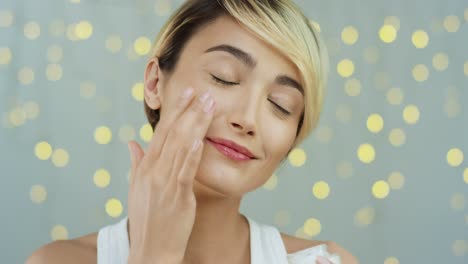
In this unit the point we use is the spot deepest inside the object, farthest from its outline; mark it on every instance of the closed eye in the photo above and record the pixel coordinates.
(223, 82)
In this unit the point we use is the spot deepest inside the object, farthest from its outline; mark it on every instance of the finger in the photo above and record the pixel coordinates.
(136, 155)
(190, 126)
(196, 123)
(184, 190)
(165, 123)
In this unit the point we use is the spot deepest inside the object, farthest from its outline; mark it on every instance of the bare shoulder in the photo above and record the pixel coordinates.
(294, 244)
(79, 250)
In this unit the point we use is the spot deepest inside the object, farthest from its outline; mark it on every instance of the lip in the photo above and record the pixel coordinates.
(231, 149)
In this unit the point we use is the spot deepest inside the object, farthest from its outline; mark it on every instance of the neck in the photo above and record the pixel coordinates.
(220, 234)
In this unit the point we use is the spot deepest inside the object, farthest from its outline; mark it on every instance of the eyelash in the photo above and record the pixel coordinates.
(223, 82)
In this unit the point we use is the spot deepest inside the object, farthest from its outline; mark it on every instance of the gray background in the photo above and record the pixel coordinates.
(424, 221)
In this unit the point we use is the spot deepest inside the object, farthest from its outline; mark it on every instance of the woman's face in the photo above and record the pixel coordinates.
(260, 81)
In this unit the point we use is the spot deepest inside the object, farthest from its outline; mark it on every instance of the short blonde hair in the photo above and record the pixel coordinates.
(280, 23)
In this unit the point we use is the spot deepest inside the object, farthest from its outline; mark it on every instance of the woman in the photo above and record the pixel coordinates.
(256, 72)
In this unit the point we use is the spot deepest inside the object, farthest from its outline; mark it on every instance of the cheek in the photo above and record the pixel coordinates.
(280, 141)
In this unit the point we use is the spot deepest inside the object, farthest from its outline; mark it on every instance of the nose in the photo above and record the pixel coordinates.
(243, 118)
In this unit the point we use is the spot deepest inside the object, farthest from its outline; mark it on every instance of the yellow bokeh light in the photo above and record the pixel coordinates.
(71, 32)
(54, 53)
(312, 227)
(380, 189)
(126, 133)
(364, 216)
(43, 150)
(60, 157)
(393, 21)
(38, 193)
(321, 190)
(465, 175)
(366, 153)
(465, 68)
(114, 207)
(460, 248)
(146, 132)
(452, 106)
(102, 135)
(451, 23)
(83, 30)
(391, 260)
(32, 30)
(102, 178)
(315, 25)
(25, 75)
(6, 18)
(411, 114)
(349, 35)
(371, 55)
(87, 89)
(113, 43)
(394, 96)
(440, 61)
(353, 87)
(387, 33)
(324, 133)
(54, 72)
(297, 157)
(375, 123)
(420, 39)
(31, 109)
(420, 72)
(142, 46)
(17, 116)
(5, 55)
(458, 201)
(396, 180)
(271, 183)
(397, 137)
(138, 91)
(345, 68)
(344, 169)
(162, 7)
(455, 157)
(59, 232)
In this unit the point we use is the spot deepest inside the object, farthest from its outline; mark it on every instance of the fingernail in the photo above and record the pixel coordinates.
(204, 96)
(209, 106)
(196, 145)
(187, 93)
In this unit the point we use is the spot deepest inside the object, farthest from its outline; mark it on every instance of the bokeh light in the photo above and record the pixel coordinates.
(366, 153)
(321, 190)
(114, 207)
(312, 227)
(297, 157)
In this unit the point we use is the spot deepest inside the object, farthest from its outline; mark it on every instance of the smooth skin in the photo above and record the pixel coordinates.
(247, 111)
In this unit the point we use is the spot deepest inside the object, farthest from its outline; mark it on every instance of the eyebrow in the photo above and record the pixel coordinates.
(250, 62)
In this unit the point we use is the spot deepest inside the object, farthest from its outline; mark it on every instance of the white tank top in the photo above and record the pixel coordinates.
(266, 246)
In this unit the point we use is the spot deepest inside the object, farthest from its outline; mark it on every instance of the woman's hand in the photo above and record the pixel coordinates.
(161, 202)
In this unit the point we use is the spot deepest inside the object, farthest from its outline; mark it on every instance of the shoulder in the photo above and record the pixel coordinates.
(78, 250)
(294, 244)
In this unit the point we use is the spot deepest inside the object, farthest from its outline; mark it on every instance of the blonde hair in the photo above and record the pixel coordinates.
(280, 23)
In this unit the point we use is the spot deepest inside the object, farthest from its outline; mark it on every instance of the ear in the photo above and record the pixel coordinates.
(152, 84)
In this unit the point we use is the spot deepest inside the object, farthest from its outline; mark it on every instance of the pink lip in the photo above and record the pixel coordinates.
(231, 149)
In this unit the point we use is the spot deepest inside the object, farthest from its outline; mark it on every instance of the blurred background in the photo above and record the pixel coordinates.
(384, 174)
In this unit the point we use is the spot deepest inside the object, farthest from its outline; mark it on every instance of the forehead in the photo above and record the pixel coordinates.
(226, 30)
